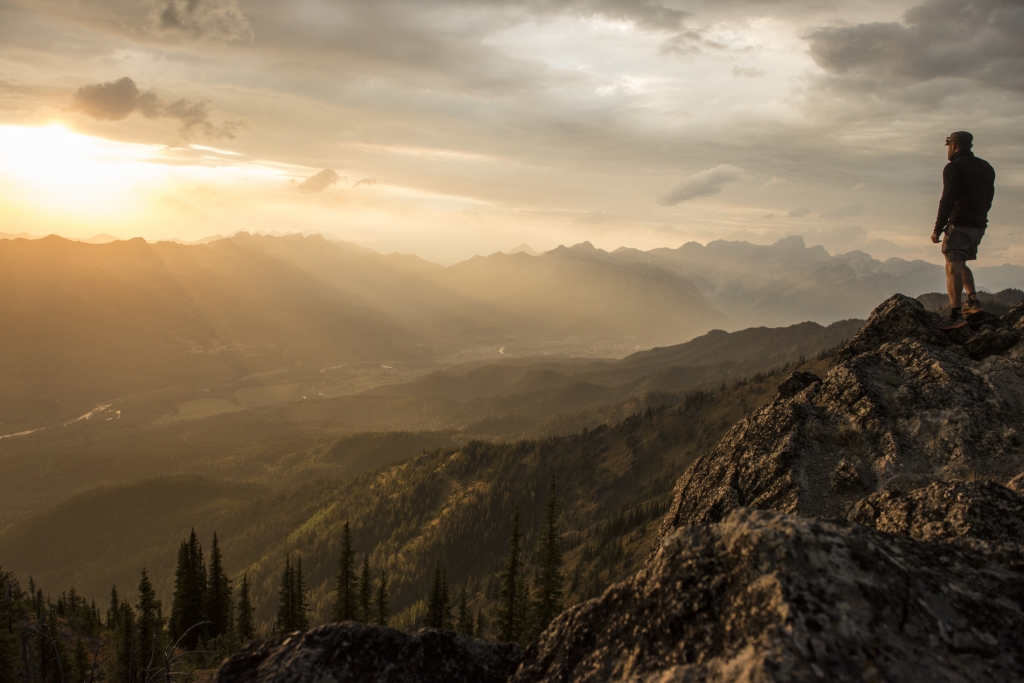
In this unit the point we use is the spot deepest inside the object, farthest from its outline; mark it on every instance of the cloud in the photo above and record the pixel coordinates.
(320, 181)
(704, 184)
(748, 72)
(117, 100)
(644, 13)
(981, 40)
(844, 211)
(217, 19)
(365, 181)
(799, 212)
(858, 187)
(114, 101)
(689, 42)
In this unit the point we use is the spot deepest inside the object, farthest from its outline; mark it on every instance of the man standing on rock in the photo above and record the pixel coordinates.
(968, 185)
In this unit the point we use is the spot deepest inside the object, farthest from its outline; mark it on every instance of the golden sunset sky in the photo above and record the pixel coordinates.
(450, 128)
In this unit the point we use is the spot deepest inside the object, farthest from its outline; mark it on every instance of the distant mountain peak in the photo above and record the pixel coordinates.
(523, 248)
(793, 242)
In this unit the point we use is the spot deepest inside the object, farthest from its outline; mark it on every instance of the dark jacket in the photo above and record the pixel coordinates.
(968, 185)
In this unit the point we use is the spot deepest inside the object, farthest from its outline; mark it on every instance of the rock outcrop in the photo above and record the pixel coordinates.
(864, 526)
(981, 517)
(360, 653)
(906, 405)
(763, 596)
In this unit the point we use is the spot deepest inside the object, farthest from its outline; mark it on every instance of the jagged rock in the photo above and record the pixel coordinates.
(797, 382)
(360, 653)
(905, 405)
(764, 596)
(1015, 317)
(982, 517)
(847, 477)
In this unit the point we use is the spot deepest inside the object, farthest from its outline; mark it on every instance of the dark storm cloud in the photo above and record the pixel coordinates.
(117, 100)
(704, 184)
(981, 40)
(319, 182)
(220, 19)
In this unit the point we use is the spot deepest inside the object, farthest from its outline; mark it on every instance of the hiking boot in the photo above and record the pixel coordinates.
(953, 321)
(972, 306)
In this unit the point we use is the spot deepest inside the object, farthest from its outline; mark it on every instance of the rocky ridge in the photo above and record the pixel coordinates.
(864, 526)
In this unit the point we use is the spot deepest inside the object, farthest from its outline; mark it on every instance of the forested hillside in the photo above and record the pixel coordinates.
(228, 434)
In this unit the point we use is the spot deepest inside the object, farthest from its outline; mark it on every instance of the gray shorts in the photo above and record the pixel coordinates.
(961, 244)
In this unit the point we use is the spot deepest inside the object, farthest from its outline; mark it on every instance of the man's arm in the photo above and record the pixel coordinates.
(950, 190)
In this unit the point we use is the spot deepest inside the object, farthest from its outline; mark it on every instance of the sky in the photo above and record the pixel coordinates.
(449, 128)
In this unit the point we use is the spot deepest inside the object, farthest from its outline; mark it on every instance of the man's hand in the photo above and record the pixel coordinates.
(935, 238)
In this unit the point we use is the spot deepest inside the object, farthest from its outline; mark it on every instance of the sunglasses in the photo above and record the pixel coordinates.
(950, 141)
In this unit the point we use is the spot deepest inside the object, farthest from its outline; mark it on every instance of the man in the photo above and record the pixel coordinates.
(968, 185)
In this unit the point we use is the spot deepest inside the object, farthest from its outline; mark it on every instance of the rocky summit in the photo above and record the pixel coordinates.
(864, 526)
(905, 405)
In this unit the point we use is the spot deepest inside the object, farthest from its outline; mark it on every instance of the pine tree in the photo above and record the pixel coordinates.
(148, 631)
(301, 617)
(465, 617)
(113, 610)
(188, 606)
(365, 591)
(523, 608)
(246, 628)
(79, 663)
(551, 579)
(286, 599)
(446, 602)
(382, 599)
(509, 618)
(10, 597)
(219, 603)
(125, 642)
(345, 583)
(437, 602)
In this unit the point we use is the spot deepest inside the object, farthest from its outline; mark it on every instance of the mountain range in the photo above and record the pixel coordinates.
(88, 324)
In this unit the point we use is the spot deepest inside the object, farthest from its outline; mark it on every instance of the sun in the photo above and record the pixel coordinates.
(55, 170)
(56, 179)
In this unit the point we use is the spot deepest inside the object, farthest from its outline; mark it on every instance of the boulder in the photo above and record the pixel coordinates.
(361, 653)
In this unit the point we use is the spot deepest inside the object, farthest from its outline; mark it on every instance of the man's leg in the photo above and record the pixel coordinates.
(955, 282)
(968, 277)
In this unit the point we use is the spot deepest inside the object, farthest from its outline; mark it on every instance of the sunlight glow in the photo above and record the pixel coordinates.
(56, 176)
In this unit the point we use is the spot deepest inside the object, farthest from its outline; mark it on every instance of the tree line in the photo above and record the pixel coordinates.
(71, 641)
